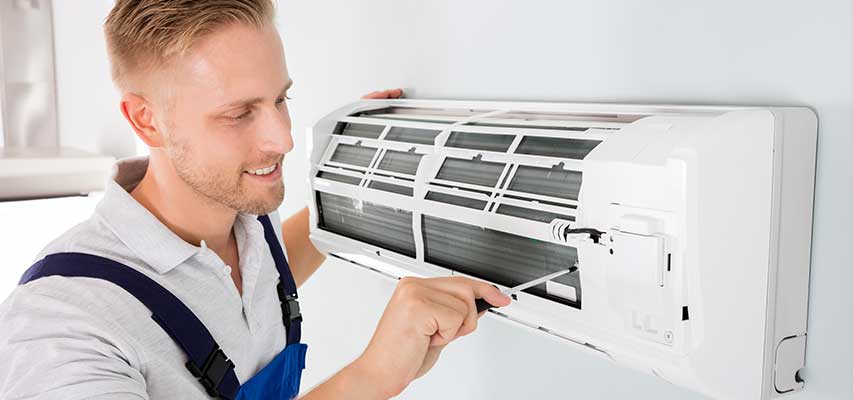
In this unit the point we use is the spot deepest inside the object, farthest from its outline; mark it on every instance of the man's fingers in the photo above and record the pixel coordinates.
(439, 314)
(448, 320)
(384, 94)
(493, 296)
(461, 305)
(490, 293)
(449, 304)
(470, 289)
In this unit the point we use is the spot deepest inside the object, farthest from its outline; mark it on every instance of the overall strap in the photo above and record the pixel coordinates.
(206, 362)
(292, 317)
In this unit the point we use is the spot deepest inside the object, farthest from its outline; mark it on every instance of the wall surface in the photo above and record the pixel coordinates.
(724, 52)
(88, 103)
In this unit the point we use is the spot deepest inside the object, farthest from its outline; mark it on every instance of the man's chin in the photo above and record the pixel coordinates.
(259, 208)
(263, 204)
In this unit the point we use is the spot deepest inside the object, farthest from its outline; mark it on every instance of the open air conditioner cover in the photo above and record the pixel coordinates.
(692, 245)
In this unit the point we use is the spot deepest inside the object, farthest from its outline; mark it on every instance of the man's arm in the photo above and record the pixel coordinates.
(303, 257)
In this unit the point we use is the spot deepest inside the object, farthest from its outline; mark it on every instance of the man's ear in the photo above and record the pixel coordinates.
(140, 114)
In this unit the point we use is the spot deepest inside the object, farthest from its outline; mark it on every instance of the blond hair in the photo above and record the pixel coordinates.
(142, 35)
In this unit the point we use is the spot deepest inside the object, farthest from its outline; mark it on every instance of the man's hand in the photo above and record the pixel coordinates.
(384, 94)
(423, 316)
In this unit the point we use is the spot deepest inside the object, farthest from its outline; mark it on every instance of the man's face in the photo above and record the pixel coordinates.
(227, 126)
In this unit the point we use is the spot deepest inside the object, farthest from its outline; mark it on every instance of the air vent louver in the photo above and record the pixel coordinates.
(516, 166)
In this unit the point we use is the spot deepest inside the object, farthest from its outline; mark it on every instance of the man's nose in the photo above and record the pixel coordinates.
(275, 136)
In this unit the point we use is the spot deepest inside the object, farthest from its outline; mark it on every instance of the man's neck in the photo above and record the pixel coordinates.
(187, 213)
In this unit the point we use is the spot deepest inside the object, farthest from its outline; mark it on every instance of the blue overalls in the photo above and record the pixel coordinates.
(277, 380)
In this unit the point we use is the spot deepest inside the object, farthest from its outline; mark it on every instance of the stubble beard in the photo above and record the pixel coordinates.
(221, 187)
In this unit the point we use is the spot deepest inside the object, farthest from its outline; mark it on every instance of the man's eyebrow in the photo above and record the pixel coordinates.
(253, 100)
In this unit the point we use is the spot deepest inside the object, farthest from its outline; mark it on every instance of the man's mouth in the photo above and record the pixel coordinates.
(263, 171)
(270, 173)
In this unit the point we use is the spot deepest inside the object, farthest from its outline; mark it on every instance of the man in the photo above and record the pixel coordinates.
(204, 85)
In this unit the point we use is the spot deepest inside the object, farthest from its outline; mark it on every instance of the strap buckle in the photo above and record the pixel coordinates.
(290, 310)
(212, 372)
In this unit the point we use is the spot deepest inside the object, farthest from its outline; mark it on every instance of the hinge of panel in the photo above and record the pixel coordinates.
(790, 360)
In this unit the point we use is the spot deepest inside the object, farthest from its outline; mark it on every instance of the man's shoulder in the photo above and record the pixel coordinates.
(89, 307)
(91, 236)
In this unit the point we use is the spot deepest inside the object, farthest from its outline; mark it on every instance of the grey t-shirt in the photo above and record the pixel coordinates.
(75, 338)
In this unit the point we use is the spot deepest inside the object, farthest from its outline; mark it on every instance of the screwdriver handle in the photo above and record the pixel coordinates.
(482, 305)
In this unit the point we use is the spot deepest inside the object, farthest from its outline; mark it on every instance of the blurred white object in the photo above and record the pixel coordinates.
(33, 163)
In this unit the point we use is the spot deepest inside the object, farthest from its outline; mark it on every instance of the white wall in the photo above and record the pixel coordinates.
(723, 52)
(87, 101)
(727, 52)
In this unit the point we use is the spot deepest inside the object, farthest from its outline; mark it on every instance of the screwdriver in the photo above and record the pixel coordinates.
(483, 305)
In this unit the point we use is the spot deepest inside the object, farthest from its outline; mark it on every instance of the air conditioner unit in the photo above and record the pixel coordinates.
(690, 225)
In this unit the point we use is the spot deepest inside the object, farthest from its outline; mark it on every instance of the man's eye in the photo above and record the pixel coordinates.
(241, 116)
(282, 99)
